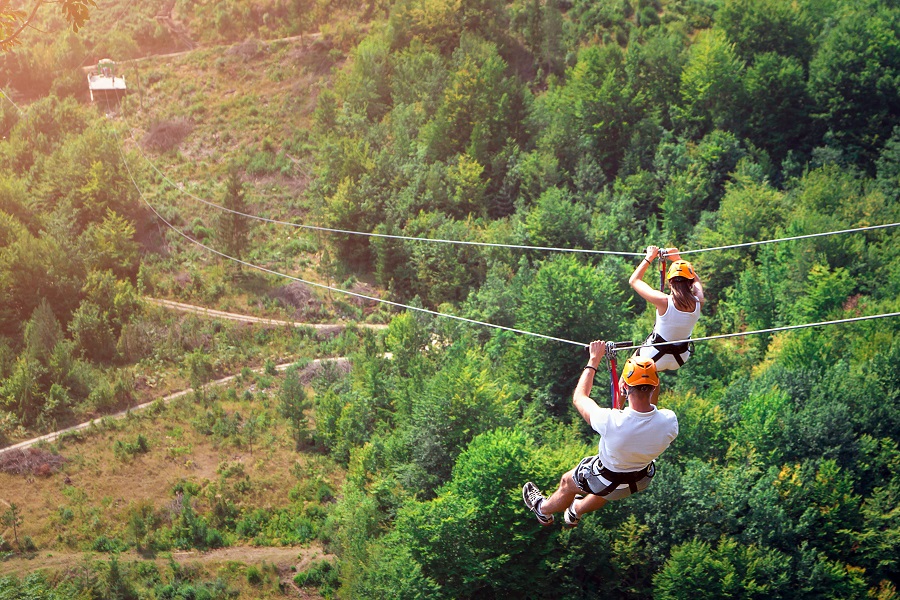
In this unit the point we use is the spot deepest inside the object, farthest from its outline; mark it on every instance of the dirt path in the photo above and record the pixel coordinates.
(283, 558)
(294, 38)
(341, 362)
(220, 314)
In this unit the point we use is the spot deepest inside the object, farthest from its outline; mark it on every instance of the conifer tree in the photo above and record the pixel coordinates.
(234, 229)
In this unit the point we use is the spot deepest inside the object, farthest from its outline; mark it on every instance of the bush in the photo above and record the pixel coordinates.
(319, 574)
(254, 577)
(105, 544)
(126, 450)
(166, 135)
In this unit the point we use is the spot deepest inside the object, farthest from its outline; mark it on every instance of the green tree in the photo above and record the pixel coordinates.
(654, 65)
(556, 219)
(42, 332)
(779, 117)
(479, 108)
(501, 556)
(36, 269)
(366, 86)
(854, 80)
(233, 228)
(711, 87)
(251, 429)
(443, 23)
(22, 391)
(13, 21)
(110, 245)
(442, 272)
(459, 402)
(696, 570)
(591, 116)
(92, 332)
(116, 584)
(696, 175)
(760, 26)
(292, 405)
(568, 300)
(12, 518)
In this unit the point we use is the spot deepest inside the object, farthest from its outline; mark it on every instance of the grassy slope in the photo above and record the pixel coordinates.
(251, 105)
(244, 102)
(102, 488)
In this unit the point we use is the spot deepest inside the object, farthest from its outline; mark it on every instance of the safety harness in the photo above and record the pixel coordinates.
(631, 478)
(660, 344)
(663, 347)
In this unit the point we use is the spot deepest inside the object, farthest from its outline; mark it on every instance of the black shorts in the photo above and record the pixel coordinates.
(588, 479)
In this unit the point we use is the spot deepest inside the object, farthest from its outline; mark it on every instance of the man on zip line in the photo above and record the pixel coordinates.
(630, 440)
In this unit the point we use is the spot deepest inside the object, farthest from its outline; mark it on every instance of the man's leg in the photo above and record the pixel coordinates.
(589, 503)
(563, 496)
(543, 508)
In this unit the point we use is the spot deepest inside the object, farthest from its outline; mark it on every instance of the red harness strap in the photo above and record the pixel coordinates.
(611, 347)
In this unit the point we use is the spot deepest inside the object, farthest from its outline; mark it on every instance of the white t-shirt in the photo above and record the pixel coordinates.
(631, 440)
(676, 324)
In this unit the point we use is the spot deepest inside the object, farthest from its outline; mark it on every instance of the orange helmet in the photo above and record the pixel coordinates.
(640, 370)
(681, 268)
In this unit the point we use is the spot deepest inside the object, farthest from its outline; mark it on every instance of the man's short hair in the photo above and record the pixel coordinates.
(642, 388)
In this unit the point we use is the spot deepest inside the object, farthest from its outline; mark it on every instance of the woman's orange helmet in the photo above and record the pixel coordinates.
(640, 370)
(681, 268)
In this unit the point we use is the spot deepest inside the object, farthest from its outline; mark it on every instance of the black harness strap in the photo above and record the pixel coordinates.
(663, 347)
(630, 478)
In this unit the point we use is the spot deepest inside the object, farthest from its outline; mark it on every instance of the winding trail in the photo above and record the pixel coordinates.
(341, 362)
(282, 557)
(221, 314)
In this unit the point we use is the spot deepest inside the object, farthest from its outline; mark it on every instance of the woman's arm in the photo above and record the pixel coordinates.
(697, 288)
(636, 281)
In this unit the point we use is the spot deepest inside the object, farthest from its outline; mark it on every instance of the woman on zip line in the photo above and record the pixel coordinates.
(676, 312)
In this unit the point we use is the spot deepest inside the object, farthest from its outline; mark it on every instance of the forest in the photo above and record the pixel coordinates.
(581, 125)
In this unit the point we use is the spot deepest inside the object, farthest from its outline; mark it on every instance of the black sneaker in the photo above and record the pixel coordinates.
(571, 518)
(533, 497)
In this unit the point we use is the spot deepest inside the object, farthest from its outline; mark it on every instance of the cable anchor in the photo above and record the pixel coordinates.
(662, 269)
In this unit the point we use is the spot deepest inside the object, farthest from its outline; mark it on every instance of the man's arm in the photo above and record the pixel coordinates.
(582, 396)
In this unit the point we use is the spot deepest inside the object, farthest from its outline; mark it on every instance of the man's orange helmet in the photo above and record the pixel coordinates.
(681, 268)
(640, 370)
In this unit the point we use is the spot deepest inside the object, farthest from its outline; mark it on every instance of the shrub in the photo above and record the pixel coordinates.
(65, 515)
(166, 135)
(105, 544)
(126, 450)
(320, 574)
(270, 367)
(254, 577)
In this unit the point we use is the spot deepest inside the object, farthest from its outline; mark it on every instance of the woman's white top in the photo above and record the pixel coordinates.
(676, 325)
(672, 326)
